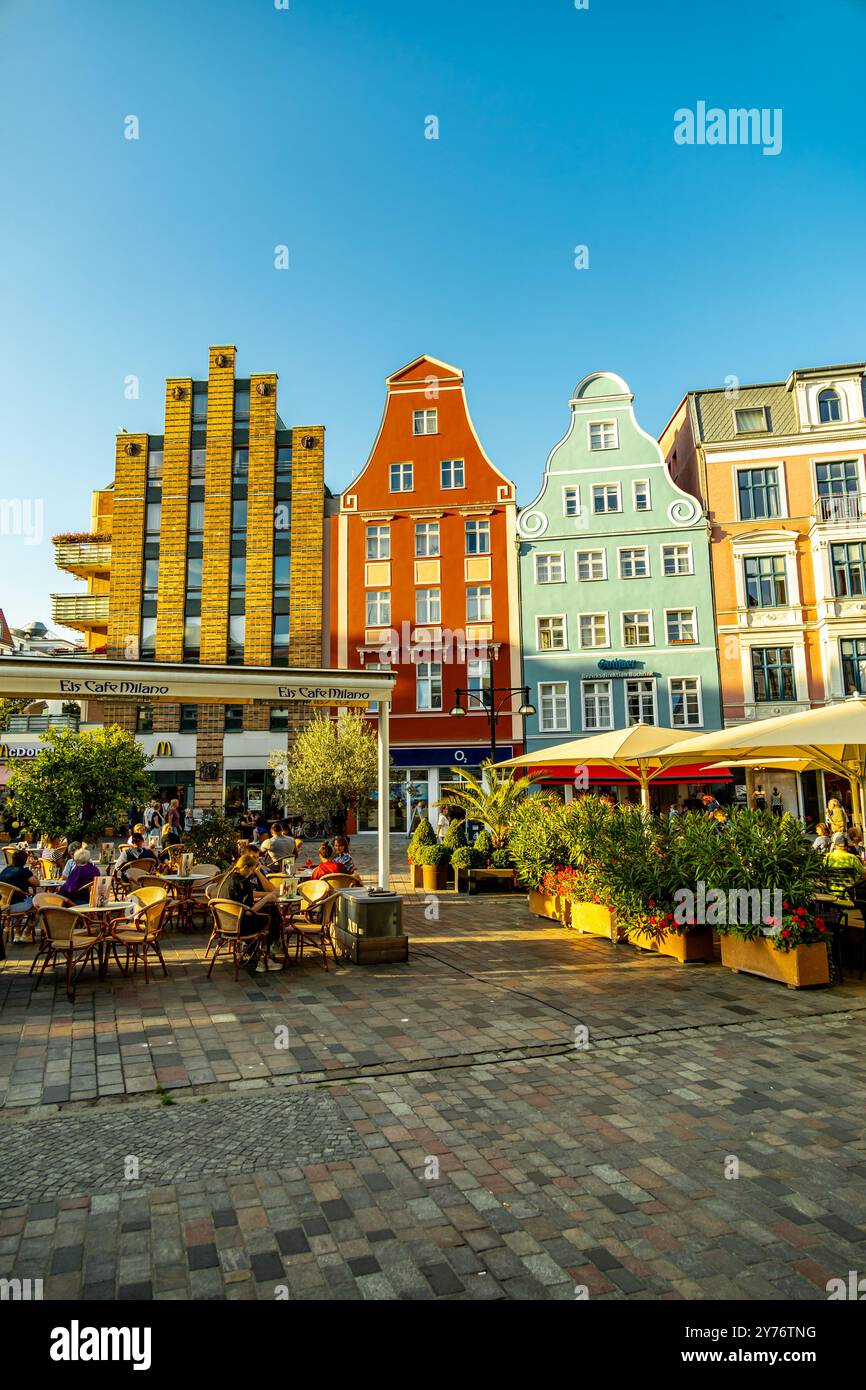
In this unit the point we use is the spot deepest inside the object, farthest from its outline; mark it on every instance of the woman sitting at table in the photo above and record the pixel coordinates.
(21, 877)
(76, 888)
(327, 863)
(239, 887)
(342, 857)
(70, 863)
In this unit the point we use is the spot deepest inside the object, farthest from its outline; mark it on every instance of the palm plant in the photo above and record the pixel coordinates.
(492, 798)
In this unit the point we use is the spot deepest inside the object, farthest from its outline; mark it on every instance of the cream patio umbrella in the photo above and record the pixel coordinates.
(635, 752)
(832, 738)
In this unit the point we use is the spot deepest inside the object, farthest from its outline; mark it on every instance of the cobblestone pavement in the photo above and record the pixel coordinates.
(431, 1130)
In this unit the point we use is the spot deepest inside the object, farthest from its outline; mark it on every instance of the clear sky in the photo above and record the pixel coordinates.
(306, 127)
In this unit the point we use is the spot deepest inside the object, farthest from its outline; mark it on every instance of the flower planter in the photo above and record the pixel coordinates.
(549, 905)
(434, 877)
(595, 919)
(686, 947)
(416, 874)
(491, 880)
(802, 965)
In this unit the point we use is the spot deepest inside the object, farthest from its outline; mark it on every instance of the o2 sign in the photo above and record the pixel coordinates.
(459, 756)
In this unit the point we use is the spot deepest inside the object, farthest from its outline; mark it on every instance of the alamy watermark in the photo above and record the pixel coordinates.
(737, 126)
(760, 907)
(23, 516)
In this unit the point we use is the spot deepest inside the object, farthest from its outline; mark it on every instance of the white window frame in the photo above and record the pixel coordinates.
(451, 464)
(381, 530)
(430, 667)
(595, 728)
(632, 680)
(571, 491)
(403, 467)
(641, 482)
(632, 645)
(547, 555)
(676, 545)
(608, 511)
(476, 522)
(428, 526)
(594, 578)
(700, 695)
(593, 646)
(556, 728)
(478, 589)
(602, 425)
(422, 417)
(684, 609)
(437, 604)
(551, 618)
(377, 596)
(752, 466)
(633, 550)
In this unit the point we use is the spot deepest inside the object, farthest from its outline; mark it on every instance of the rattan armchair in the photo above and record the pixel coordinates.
(139, 935)
(63, 940)
(313, 922)
(226, 936)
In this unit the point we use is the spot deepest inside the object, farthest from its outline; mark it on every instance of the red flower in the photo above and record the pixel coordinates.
(785, 931)
(821, 927)
(786, 906)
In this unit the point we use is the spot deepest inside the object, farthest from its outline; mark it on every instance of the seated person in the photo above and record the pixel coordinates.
(239, 886)
(76, 888)
(21, 877)
(327, 863)
(169, 835)
(342, 857)
(70, 863)
(52, 850)
(855, 841)
(133, 852)
(848, 869)
(278, 846)
(821, 843)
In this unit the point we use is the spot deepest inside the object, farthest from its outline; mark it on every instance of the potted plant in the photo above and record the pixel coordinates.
(434, 861)
(424, 836)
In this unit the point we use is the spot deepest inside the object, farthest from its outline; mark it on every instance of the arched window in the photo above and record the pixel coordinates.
(829, 406)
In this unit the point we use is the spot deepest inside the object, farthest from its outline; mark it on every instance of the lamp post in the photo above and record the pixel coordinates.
(487, 700)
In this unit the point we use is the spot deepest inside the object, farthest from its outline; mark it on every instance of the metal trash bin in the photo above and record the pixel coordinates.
(369, 929)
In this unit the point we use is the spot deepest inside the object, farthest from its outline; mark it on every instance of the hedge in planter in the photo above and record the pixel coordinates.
(424, 836)
(434, 861)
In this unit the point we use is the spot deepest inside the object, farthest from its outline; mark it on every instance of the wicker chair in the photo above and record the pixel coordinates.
(173, 906)
(198, 898)
(63, 939)
(226, 936)
(10, 920)
(341, 880)
(48, 868)
(313, 924)
(8, 851)
(139, 935)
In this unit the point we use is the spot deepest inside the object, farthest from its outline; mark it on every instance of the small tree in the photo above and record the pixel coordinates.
(492, 799)
(331, 768)
(214, 840)
(9, 707)
(423, 837)
(79, 783)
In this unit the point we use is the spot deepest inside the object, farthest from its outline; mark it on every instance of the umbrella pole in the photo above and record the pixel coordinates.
(644, 790)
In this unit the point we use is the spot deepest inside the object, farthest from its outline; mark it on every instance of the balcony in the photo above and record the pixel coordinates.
(40, 723)
(84, 612)
(86, 556)
(844, 508)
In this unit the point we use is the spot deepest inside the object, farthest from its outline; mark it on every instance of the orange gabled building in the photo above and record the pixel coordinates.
(424, 578)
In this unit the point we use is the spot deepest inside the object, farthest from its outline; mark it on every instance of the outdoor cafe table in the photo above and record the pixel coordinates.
(100, 917)
(287, 908)
(183, 886)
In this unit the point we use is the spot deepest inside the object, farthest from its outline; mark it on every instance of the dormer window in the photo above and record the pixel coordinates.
(603, 435)
(752, 420)
(829, 406)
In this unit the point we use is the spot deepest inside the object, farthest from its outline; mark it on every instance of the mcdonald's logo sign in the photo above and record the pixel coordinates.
(4, 750)
(163, 748)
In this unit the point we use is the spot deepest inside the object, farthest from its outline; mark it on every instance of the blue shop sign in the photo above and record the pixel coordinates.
(471, 756)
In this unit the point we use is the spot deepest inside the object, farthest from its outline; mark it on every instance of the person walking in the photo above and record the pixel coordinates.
(443, 823)
(837, 816)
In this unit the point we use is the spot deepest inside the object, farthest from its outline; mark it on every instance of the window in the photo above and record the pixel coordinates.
(188, 719)
(551, 634)
(199, 405)
(154, 466)
(428, 606)
(234, 719)
(195, 520)
(853, 650)
(640, 491)
(602, 435)
(686, 710)
(241, 463)
(197, 463)
(284, 461)
(593, 629)
(751, 420)
(242, 405)
(766, 581)
(425, 422)
(680, 625)
(401, 477)
(570, 501)
(278, 722)
(553, 707)
(147, 648)
(837, 479)
(378, 542)
(280, 642)
(378, 608)
(759, 493)
(829, 407)
(848, 563)
(193, 575)
(549, 567)
(640, 701)
(426, 539)
(591, 564)
(191, 637)
(144, 720)
(428, 685)
(282, 570)
(237, 637)
(479, 605)
(606, 498)
(676, 559)
(637, 629)
(451, 473)
(238, 576)
(239, 517)
(478, 680)
(597, 705)
(478, 538)
(153, 512)
(634, 564)
(773, 673)
(151, 576)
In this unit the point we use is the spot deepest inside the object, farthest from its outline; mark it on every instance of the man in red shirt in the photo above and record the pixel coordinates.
(326, 864)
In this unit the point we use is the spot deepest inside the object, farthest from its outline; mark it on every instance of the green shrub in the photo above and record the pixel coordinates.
(424, 835)
(466, 857)
(502, 859)
(483, 847)
(455, 835)
(434, 856)
(214, 840)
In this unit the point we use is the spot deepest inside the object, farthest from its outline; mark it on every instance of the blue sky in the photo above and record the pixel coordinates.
(305, 127)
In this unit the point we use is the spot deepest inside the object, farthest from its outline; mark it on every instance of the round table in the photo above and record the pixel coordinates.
(182, 886)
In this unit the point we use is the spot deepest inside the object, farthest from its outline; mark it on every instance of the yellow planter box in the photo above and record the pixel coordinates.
(595, 920)
(686, 947)
(802, 965)
(549, 905)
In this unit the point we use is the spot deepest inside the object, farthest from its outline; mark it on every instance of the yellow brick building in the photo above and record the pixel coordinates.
(208, 546)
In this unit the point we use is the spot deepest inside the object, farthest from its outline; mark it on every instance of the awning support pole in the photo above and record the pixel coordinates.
(384, 798)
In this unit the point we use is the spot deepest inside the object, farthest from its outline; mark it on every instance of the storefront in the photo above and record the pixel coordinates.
(419, 779)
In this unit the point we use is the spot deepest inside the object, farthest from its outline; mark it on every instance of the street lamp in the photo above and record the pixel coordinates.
(488, 702)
